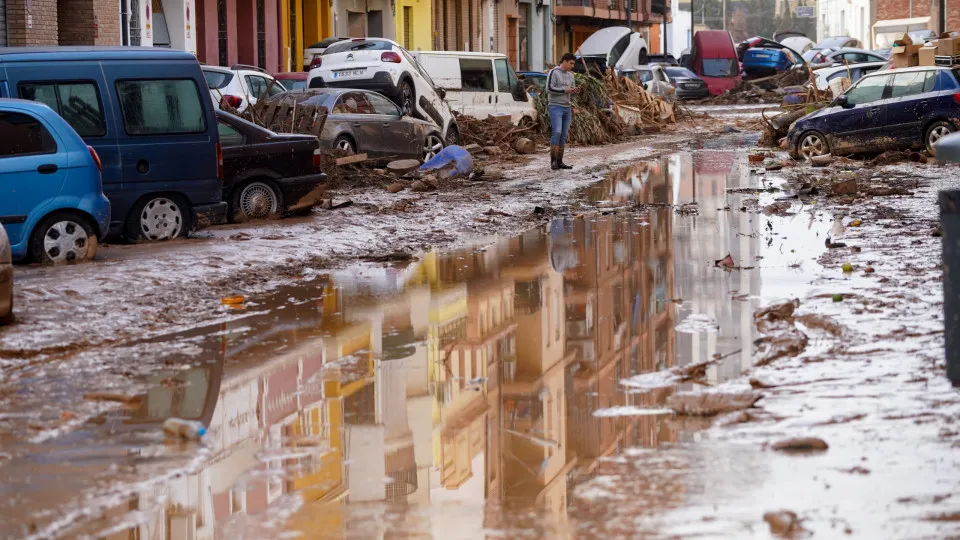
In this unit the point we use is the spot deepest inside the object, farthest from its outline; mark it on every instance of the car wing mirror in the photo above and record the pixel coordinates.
(842, 101)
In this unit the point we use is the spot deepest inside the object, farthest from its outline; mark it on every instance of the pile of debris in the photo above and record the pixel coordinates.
(497, 131)
(638, 108)
(789, 88)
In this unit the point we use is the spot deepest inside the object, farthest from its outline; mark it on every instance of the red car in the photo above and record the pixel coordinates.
(714, 59)
(296, 80)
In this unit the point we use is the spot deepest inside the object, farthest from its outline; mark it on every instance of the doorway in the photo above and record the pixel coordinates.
(522, 35)
(356, 24)
(375, 24)
(513, 41)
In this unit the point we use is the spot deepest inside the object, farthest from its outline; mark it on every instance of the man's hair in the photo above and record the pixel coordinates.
(568, 57)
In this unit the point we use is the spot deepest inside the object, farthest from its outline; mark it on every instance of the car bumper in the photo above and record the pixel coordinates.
(381, 83)
(296, 187)
(206, 215)
(693, 93)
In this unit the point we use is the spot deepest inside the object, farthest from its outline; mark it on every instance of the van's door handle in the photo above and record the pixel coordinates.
(489, 99)
(48, 168)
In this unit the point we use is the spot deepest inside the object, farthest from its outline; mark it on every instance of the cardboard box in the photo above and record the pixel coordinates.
(948, 46)
(904, 53)
(927, 54)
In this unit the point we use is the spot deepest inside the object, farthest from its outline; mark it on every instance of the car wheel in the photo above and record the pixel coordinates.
(812, 144)
(259, 199)
(453, 135)
(157, 218)
(345, 144)
(408, 98)
(936, 132)
(432, 144)
(64, 238)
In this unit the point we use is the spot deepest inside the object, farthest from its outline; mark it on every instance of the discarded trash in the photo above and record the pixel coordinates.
(838, 298)
(726, 262)
(847, 187)
(856, 223)
(190, 430)
(847, 268)
(401, 167)
(107, 396)
(801, 444)
(869, 270)
(822, 161)
(351, 160)
(833, 245)
(783, 523)
(450, 162)
(396, 188)
(233, 300)
(711, 403)
(524, 145)
(777, 312)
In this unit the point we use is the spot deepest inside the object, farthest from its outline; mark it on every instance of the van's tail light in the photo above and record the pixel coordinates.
(391, 57)
(96, 158)
(317, 61)
(956, 98)
(219, 162)
(316, 159)
(233, 101)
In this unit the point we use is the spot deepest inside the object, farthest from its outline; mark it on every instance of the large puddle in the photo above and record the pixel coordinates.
(461, 396)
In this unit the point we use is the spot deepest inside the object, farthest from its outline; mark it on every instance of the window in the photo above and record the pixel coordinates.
(295, 85)
(77, 102)
(407, 26)
(217, 79)
(719, 67)
(358, 45)
(259, 86)
(476, 75)
(24, 135)
(353, 103)
(867, 90)
(503, 75)
(229, 136)
(383, 105)
(161, 107)
(909, 84)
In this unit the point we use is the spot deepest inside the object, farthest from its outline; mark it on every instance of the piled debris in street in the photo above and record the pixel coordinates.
(499, 132)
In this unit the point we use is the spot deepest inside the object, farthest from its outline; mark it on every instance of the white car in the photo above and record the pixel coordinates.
(615, 47)
(653, 79)
(853, 72)
(385, 67)
(316, 50)
(240, 86)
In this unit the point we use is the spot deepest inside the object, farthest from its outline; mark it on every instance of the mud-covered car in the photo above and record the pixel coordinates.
(905, 108)
(360, 121)
(265, 173)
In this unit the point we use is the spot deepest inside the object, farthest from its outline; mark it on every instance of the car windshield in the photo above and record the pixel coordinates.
(832, 43)
(294, 85)
(719, 67)
(680, 73)
(217, 79)
(358, 45)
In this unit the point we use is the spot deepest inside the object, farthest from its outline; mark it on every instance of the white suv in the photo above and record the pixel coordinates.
(384, 66)
(239, 85)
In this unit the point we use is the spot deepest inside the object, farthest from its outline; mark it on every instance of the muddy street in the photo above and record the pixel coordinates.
(668, 342)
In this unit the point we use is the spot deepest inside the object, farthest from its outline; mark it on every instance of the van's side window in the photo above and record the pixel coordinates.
(24, 135)
(77, 102)
(161, 107)
(476, 75)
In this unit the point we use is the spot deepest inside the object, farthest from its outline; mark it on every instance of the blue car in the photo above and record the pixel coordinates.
(148, 114)
(761, 62)
(885, 110)
(533, 81)
(52, 204)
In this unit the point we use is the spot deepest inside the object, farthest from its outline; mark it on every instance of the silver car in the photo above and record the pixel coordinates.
(6, 279)
(366, 122)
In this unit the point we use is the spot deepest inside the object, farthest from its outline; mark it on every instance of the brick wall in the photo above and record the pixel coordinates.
(107, 17)
(36, 27)
(76, 22)
(900, 9)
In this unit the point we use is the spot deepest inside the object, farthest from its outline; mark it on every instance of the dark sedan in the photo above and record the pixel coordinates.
(265, 173)
(360, 121)
(688, 85)
(906, 108)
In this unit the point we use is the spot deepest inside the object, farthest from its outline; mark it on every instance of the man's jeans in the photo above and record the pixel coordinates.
(559, 123)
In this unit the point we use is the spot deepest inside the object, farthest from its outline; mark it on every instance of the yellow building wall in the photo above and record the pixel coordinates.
(421, 24)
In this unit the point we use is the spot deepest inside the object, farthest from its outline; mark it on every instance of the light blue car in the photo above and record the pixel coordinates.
(52, 204)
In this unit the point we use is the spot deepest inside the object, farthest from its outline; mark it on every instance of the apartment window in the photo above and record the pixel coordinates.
(24, 135)
(261, 36)
(222, 32)
(77, 102)
(161, 107)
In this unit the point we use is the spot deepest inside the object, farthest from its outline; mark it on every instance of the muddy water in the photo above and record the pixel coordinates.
(462, 396)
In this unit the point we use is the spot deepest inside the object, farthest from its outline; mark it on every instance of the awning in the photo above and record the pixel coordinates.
(893, 24)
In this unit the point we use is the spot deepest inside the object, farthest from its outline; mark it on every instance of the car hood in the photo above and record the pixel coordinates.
(600, 42)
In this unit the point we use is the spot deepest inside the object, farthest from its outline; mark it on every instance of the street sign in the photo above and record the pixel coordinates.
(806, 12)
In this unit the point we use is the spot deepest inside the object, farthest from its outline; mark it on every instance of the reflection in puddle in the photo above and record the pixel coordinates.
(459, 394)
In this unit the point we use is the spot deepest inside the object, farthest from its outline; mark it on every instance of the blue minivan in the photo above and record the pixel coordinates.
(148, 115)
(51, 202)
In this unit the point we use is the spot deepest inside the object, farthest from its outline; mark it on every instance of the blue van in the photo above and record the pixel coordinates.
(51, 202)
(148, 115)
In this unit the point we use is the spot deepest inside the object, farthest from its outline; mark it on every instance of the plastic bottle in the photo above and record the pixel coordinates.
(184, 429)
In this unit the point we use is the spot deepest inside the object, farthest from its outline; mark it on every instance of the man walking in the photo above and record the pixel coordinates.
(560, 88)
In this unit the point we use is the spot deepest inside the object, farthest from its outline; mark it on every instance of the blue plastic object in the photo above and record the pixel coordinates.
(451, 161)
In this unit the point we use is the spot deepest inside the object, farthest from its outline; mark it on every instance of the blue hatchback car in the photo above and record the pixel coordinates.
(885, 110)
(51, 198)
(766, 61)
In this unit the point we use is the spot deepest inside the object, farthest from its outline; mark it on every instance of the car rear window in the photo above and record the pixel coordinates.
(912, 83)
(24, 135)
(161, 107)
(358, 45)
(294, 85)
(680, 72)
(77, 102)
(217, 79)
(719, 67)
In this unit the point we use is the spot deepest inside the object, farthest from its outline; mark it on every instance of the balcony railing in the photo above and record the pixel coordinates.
(574, 3)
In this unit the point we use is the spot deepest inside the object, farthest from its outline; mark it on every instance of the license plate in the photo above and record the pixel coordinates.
(348, 73)
(762, 55)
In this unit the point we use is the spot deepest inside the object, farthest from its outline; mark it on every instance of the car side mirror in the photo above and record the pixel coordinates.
(842, 101)
(442, 93)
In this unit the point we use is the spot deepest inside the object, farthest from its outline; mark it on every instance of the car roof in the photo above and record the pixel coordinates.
(906, 70)
(24, 54)
(25, 105)
(219, 69)
(849, 49)
(464, 54)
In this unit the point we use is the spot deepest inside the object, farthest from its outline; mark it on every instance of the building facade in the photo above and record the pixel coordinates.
(889, 10)
(845, 18)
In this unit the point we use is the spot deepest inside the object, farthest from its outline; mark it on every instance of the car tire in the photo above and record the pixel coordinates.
(430, 144)
(407, 97)
(812, 144)
(157, 218)
(64, 238)
(254, 200)
(934, 133)
(345, 144)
